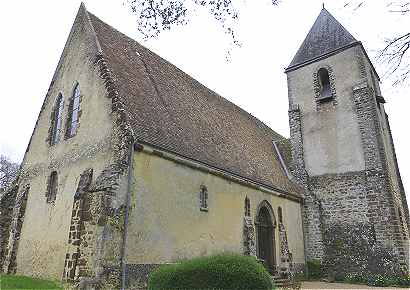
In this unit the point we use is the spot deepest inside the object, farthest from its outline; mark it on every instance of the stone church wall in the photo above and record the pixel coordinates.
(166, 223)
(45, 231)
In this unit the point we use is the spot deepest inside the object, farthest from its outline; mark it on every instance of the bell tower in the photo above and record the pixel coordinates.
(343, 152)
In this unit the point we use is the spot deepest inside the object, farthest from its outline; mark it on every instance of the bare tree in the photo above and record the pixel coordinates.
(395, 55)
(155, 16)
(8, 172)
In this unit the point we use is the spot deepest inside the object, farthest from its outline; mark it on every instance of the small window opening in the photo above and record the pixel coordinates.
(247, 207)
(57, 120)
(203, 198)
(326, 92)
(280, 217)
(52, 187)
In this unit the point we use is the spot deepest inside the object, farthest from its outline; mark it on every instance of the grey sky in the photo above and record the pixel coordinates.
(34, 33)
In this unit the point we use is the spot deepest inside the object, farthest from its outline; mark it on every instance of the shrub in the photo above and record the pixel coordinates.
(314, 269)
(403, 281)
(356, 278)
(227, 271)
(378, 280)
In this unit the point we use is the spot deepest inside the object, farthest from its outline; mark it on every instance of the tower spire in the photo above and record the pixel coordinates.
(326, 35)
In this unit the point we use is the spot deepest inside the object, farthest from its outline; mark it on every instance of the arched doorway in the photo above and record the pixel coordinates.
(265, 229)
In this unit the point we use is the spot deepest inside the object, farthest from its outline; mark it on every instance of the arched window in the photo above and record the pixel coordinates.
(326, 91)
(247, 207)
(57, 119)
(203, 198)
(52, 187)
(73, 113)
(280, 217)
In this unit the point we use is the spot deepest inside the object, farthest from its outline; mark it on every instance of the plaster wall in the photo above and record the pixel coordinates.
(331, 136)
(167, 225)
(44, 235)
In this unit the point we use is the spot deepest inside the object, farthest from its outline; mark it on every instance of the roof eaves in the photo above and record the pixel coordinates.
(322, 56)
(285, 193)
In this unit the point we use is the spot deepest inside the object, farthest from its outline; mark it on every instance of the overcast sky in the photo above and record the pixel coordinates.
(33, 34)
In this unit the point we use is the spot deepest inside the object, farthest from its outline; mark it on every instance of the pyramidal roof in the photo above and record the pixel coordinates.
(167, 108)
(326, 36)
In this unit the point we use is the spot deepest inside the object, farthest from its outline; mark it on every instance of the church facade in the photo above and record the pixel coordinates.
(133, 164)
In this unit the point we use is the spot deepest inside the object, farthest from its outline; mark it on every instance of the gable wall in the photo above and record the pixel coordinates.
(43, 242)
(166, 224)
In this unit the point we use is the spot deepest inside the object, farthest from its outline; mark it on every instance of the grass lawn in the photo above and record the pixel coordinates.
(21, 282)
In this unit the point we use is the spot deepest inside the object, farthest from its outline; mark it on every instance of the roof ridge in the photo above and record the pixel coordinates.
(82, 6)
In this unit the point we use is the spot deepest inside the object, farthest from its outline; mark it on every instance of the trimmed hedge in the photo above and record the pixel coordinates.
(227, 271)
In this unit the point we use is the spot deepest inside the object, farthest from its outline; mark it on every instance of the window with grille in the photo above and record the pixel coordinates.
(74, 113)
(56, 120)
(52, 187)
(203, 198)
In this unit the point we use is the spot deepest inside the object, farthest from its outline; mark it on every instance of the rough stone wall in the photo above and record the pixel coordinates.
(397, 173)
(75, 264)
(249, 237)
(137, 275)
(7, 202)
(381, 177)
(17, 219)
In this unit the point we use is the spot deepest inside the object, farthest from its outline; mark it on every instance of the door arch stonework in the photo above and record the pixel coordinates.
(265, 235)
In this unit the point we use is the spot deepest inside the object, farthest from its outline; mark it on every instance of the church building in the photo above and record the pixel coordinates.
(133, 163)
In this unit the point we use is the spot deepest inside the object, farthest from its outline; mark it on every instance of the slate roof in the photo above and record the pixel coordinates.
(326, 35)
(285, 149)
(168, 108)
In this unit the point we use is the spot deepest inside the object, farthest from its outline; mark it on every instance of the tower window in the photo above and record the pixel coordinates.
(203, 198)
(52, 186)
(325, 91)
(73, 113)
(56, 120)
(247, 207)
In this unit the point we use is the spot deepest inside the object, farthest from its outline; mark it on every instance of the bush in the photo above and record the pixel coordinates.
(404, 281)
(314, 269)
(227, 271)
(378, 280)
(356, 278)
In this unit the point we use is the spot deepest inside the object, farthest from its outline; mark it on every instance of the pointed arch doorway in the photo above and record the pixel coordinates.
(265, 230)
